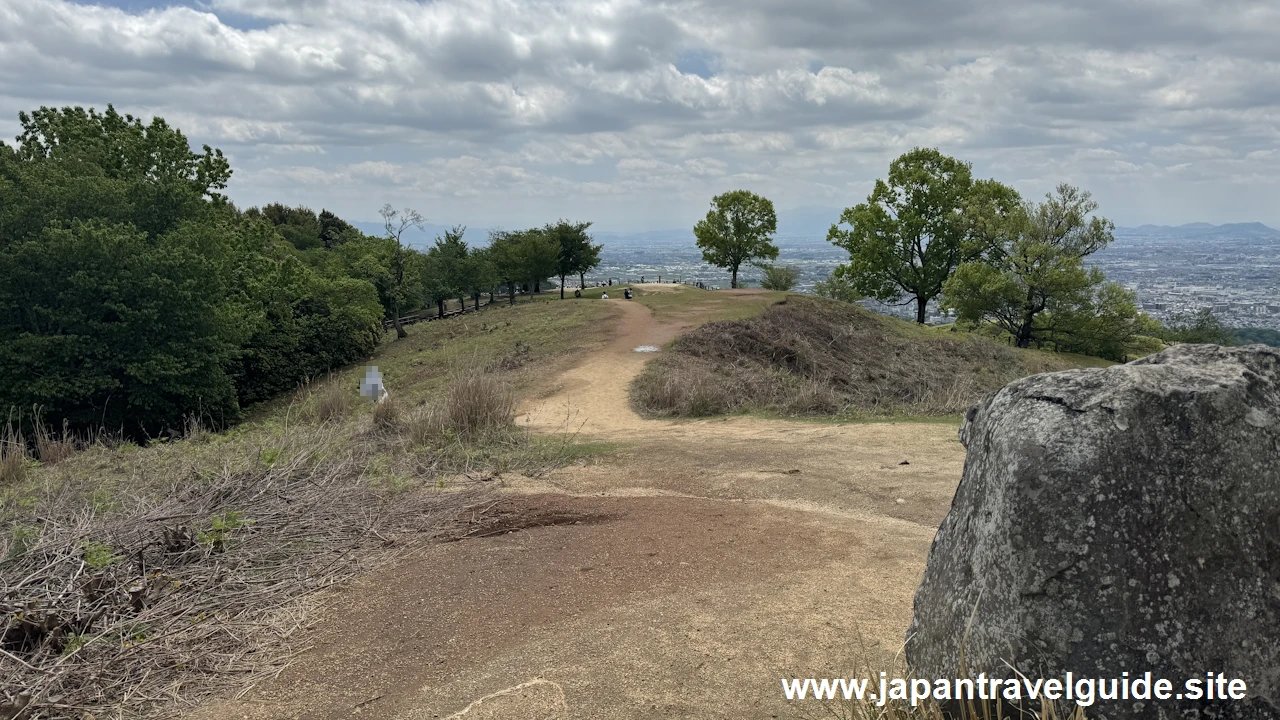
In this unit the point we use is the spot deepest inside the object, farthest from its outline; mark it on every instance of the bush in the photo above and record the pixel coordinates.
(778, 277)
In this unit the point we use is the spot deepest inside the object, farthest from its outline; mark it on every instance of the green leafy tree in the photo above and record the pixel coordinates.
(505, 259)
(837, 287)
(778, 277)
(1103, 321)
(395, 223)
(1201, 326)
(1254, 335)
(539, 257)
(480, 275)
(71, 164)
(446, 268)
(738, 229)
(335, 231)
(917, 226)
(133, 294)
(1036, 268)
(103, 326)
(577, 253)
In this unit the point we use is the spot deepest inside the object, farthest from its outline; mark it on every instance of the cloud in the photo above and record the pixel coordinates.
(632, 113)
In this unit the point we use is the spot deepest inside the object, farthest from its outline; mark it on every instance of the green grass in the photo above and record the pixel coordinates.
(689, 303)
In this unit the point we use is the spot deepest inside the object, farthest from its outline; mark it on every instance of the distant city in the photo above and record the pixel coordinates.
(1232, 269)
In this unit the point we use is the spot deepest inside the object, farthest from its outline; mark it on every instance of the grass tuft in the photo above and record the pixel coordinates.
(13, 455)
(328, 403)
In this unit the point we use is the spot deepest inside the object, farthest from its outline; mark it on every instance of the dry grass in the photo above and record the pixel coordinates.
(387, 416)
(810, 356)
(167, 594)
(13, 455)
(52, 447)
(478, 405)
(328, 402)
(136, 579)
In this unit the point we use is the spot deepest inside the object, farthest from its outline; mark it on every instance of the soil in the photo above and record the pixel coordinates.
(681, 577)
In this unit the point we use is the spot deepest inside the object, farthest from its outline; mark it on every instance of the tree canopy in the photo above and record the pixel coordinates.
(1036, 268)
(577, 255)
(133, 295)
(917, 226)
(738, 229)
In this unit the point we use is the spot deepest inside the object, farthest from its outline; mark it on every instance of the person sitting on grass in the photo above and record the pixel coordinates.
(604, 296)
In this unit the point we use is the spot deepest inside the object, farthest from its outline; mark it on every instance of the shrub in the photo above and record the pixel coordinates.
(779, 277)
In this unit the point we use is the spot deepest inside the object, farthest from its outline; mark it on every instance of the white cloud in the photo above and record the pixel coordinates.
(512, 111)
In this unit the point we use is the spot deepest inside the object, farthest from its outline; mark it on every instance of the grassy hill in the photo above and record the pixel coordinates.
(123, 566)
(808, 356)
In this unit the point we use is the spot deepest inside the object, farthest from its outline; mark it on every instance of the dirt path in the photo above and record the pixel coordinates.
(680, 579)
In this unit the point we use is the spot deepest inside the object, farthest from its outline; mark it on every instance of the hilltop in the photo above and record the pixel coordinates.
(809, 356)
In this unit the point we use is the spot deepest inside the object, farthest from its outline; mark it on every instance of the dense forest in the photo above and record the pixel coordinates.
(135, 296)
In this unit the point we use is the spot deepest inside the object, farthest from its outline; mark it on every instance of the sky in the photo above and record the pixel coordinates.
(634, 113)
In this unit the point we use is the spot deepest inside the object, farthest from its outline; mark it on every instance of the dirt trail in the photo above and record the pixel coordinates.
(681, 578)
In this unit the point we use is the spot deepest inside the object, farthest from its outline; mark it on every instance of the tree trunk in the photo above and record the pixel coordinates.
(1023, 338)
(922, 305)
(476, 297)
(395, 320)
(582, 281)
(462, 304)
(441, 305)
(561, 287)
(733, 283)
(511, 291)
(537, 288)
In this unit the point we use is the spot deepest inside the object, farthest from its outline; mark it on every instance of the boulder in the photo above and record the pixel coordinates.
(1123, 519)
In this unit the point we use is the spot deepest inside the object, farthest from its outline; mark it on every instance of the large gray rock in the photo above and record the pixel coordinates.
(1117, 519)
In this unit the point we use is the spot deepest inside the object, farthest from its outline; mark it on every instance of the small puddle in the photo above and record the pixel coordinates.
(647, 348)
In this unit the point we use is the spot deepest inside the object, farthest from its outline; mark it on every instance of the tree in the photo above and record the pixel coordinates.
(504, 256)
(1201, 327)
(918, 226)
(395, 222)
(738, 229)
(72, 164)
(836, 287)
(1038, 267)
(577, 253)
(133, 295)
(446, 268)
(481, 274)
(778, 277)
(1102, 321)
(539, 255)
(335, 231)
(101, 326)
(1256, 335)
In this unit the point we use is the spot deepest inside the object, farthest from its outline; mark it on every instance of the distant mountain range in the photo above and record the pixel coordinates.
(812, 223)
(1203, 230)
